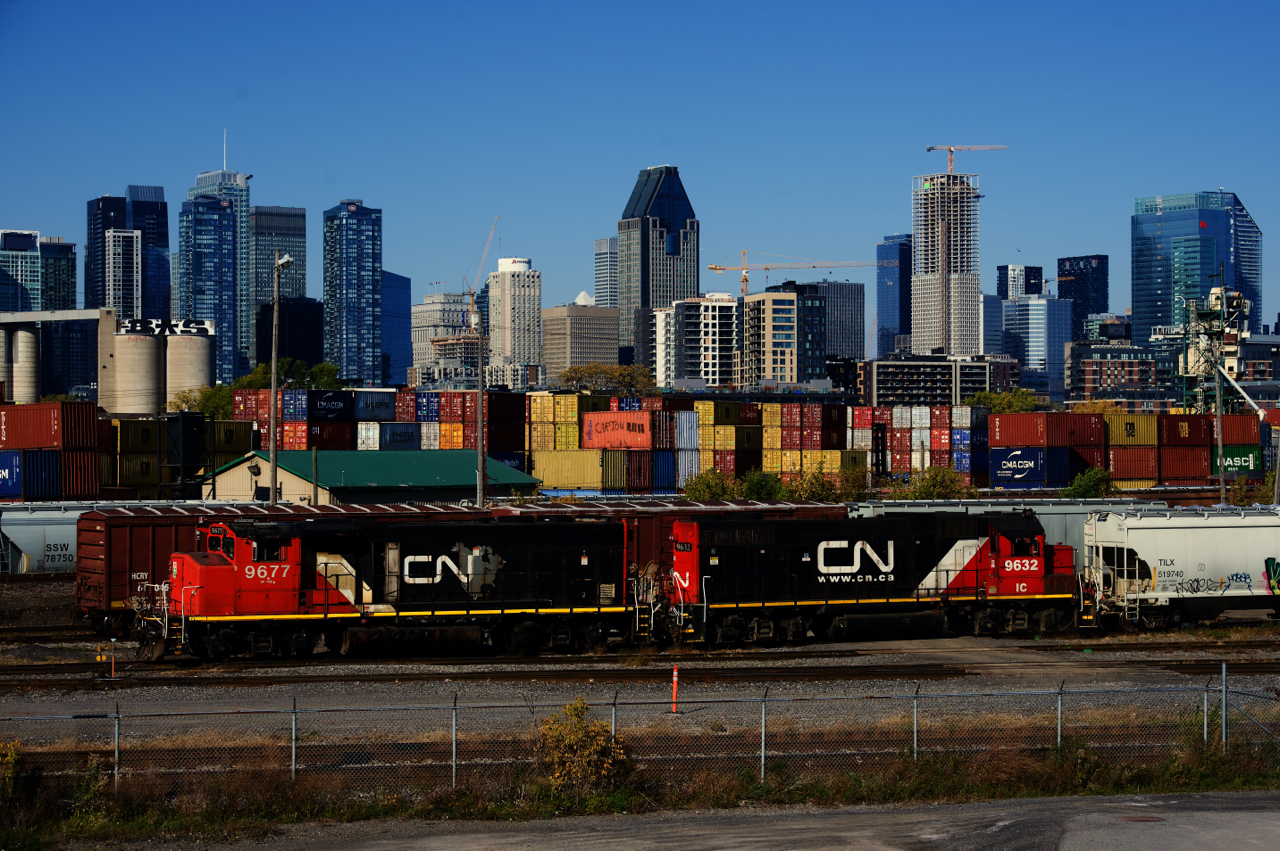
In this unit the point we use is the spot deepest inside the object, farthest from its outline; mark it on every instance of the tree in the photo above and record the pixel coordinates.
(1098, 406)
(934, 483)
(711, 485)
(613, 379)
(812, 486)
(292, 374)
(216, 402)
(855, 484)
(58, 397)
(1093, 483)
(1241, 494)
(1017, 401)
(757, 484)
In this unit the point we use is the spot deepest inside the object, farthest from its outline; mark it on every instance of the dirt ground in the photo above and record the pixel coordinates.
(37, 603)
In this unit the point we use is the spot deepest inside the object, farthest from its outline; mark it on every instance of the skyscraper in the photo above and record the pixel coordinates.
(439, 315)
(992, 324)
(1036, 332)
(147, 213)
(1177, 242)
(208, 250)
(124, 273)
(1086, 282)
(577, 334)
(353, 292)
(606, 291)
(846, 306)
(272, 229)
(945, 291)
(1015, 281)
(695, 339)
(893, 291)
(397, 341)
(104, 214)
(233, 186)
(57, 273)
(657, 254)
(515, 312)
(20, 270)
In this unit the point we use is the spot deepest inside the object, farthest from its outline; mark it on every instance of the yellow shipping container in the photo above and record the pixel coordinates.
(706, 437)
(726, 437)
(791, 459)
(706, 460)
(450, 435)
(108, 469)
(812, 459)
(1131, 429)
(230, 437)
(771, 416)
(136, 436)
(542, 436)
(706, 412)
(139, 470)
(1134, 484)
(566, 436)
(831, 460)
(542, 408)
(566, 409)
(772, 437)
(771, 461)
(579, 469)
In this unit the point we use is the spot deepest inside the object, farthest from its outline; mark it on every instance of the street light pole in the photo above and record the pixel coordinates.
(280, 263)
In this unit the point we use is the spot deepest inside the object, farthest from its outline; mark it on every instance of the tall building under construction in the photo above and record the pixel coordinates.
(946, 299)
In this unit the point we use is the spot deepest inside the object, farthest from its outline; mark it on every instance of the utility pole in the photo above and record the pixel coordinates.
(1217, 374)
(481, 472)
(280, 263)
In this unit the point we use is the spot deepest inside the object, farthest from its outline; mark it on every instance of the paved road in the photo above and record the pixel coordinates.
(1237, 821)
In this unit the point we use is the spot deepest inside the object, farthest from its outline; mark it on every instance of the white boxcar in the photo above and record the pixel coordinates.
(1160, 567)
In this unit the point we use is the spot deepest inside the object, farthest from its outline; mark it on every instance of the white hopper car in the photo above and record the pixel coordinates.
(1162, 567)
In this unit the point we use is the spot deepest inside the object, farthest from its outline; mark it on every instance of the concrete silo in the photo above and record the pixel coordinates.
(139, 366)
(26, 365)
(188, 363)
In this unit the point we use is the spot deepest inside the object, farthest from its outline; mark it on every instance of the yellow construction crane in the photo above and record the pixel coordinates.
(745, 268)
(951, 152)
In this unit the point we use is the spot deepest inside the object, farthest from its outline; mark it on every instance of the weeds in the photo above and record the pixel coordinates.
(579, 755)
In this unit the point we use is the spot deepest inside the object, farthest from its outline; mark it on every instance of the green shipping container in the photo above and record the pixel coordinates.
(1131, 429)
(1244, 460)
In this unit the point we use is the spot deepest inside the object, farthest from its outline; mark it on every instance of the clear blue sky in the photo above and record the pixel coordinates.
(796, 127)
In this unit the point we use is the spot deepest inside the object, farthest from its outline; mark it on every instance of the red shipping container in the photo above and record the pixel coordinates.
(1045, 430)
(792, 416)
(1184, 462)
(1238, 430)
(452, 407)
(980, 480)
(940, 438)
(468, 435)
(882, 416)
(723, 460)
(900, 462)
(330, 435)
(664, 429)
(640, 470)
(80, 471)
(811, 415)
(835, 438)
(621, 430)
(939, 459)
(966, 479)
(900, 439)
(406, 406)
(49, 425)
(1133, 462)
(1185, 430)
(811, 437)
(940, 416)
(1083, 457)
(106, 441)
(861, 418)
(613, 403)
(1273, 416)
(749, 413)
(791, 438)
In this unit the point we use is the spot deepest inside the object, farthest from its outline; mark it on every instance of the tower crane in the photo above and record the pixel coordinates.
(951, 152)
(745, 268)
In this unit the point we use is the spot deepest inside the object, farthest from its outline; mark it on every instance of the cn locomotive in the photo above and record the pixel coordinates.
(523, 579)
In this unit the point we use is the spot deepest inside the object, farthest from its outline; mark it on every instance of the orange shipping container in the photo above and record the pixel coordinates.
(618, 430)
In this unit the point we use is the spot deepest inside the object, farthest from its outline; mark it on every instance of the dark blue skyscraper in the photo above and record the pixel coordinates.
(1086, 282)
(1177, 242)
(207, 262)
(353, 292)
(104, 214)
(57, 273)
(147, 213)
(893, 291)
(397, 344)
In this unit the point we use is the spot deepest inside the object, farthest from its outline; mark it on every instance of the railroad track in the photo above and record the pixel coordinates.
(68, 576)
(38, 634)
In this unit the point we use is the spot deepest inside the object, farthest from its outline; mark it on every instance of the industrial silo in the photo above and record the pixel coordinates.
(188, 363)
(26, 365)
(139, 368)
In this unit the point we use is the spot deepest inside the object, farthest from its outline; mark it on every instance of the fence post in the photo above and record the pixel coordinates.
(293, 740)
(915, 724)
(613, 719)
(454, 737)
(1060, 688)
(764, 700)
(1224, 706)
(116, 770)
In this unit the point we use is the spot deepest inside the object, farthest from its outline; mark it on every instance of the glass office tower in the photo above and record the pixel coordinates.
(397, 340)
(353, 292)
(147, 213)
(233, 186)
(104, 214)
(1036, 331)
(606, 272)
(1015, 281)
(208, 273)
(1085, 281)
(893, 291)
(58, 273)
(20, 270)
(272, 229)
(1177, 241)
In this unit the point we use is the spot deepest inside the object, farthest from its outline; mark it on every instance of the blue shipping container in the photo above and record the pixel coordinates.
(978, 439)
(11, 473)
(629, 403)
(331, 406)
(400, 436)
(960, 461)
(427, 407)
(1032, 466)
(41, 474)
(293, 408)
(970, 462)
(960, 442)
(665, 472)
(375, 406)
(514, 460)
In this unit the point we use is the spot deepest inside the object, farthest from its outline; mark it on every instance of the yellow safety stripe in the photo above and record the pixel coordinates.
(451, 613)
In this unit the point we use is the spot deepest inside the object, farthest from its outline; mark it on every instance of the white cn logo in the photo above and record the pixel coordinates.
(858, 549)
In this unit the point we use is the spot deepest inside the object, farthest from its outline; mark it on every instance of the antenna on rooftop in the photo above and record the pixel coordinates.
(224, 149)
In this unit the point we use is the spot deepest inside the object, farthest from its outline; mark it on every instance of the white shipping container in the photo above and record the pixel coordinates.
(920, 437)
(919, 459)
(921, 416)
(901, 417)
(367, 435)
(430, 435)
(966, 416)
(860, 439)
(686, 463)
(686, 429)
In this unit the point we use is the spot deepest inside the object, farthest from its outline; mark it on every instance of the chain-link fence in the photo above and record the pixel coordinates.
(438, 746)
